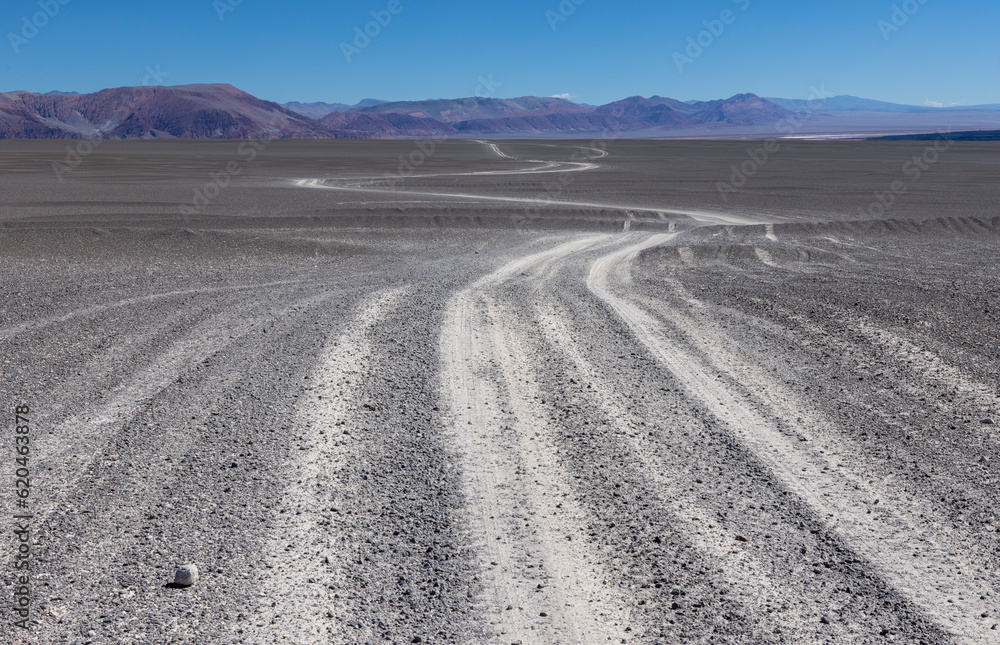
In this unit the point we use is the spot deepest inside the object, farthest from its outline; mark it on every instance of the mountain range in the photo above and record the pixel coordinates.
(855, 104)
(220, 111)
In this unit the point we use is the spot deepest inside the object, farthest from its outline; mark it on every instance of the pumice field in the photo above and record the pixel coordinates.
(535, 392)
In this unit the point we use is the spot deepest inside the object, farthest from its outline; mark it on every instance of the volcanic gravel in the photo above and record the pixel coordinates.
(523, 392)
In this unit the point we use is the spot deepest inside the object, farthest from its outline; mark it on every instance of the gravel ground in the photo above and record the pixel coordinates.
(532, 392)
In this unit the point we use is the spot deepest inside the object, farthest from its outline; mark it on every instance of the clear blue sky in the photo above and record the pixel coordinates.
(947, 51)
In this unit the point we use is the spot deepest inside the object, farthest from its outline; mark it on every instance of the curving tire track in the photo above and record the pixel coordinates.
(947, 584)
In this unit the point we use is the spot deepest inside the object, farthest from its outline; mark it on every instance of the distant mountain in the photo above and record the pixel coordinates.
(532, 115)
(687, 108)
(550, 124)
(363, 103)
(853, 103)
(649, 111)
(742, 109)
(844, 104)
(224, 112)
(474, 108)
(319, 110)
(315, 110)
(182, 111)
(632, 107)
(991, 106)
(385, 125)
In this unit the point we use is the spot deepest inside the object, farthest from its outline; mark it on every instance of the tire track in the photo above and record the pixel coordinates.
(548, 167)
(699, 215)
(76, 441)
(753, 585)
(153, 465)
(302, 549)
(539, 588)
(948, 587)
(30, 326)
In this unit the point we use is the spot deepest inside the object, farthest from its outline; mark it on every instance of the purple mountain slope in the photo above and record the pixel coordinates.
(222, 111)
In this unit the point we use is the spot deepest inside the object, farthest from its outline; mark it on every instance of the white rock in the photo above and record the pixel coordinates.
(186, 575)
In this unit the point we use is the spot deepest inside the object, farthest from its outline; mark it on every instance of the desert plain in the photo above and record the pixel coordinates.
(532, 392)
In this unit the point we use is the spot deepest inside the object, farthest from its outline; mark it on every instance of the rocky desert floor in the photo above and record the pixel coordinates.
(516, 392)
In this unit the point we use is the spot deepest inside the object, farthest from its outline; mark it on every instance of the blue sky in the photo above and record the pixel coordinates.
(940, 51)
